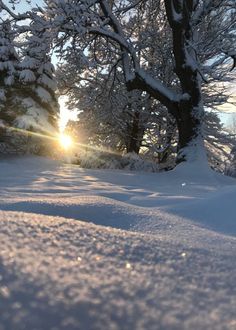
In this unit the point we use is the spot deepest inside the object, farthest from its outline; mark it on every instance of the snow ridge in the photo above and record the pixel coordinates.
(166, 270)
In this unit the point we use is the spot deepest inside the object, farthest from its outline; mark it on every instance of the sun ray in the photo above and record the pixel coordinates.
(68, 141)
(65, 141)
(37, 134)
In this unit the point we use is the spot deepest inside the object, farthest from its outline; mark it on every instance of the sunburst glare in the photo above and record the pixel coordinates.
(65, 141)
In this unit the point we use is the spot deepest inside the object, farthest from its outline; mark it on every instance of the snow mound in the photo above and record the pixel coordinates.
(105, 160)
(173, 267)
(65, 274)
(120, 199)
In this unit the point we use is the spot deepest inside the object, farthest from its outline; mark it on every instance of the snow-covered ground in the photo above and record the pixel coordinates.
(98, 249)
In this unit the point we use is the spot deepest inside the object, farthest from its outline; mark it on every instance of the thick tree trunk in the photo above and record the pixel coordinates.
(190, 109)
(136, 133)
(133, 146)
(190, 133)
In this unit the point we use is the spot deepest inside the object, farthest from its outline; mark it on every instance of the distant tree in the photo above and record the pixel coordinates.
(218, 141)
(108, 110)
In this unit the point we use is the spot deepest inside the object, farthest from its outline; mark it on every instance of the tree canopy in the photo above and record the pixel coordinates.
(174, 52)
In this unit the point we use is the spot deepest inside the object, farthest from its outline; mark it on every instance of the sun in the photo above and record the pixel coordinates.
(65, 141)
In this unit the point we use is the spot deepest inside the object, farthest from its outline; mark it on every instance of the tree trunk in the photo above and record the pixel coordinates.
(135, 137)
(189, 112)
(189, 124)
(133, 146)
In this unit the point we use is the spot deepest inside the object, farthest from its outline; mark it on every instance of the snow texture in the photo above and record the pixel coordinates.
(2, 95)
(158, 86)
(43, 94)
(35, 118)
(47, 82)
(98, 159)
(95, 249)
(27, 75)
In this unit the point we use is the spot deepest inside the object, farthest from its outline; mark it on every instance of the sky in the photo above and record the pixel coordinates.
(65, 114)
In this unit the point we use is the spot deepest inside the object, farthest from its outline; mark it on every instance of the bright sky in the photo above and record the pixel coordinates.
(65, 114)
(228, 110)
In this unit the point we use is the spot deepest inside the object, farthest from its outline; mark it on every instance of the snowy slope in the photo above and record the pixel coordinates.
(166, 261)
